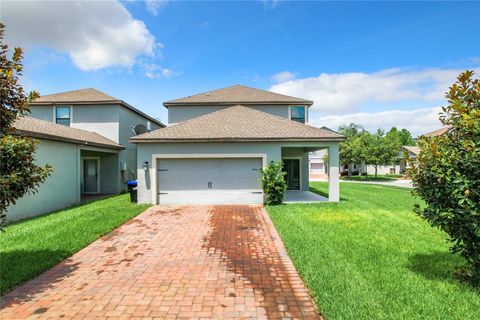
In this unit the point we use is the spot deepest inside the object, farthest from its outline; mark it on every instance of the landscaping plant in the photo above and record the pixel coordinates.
(19, 174)
(273, 183)
(447, 173)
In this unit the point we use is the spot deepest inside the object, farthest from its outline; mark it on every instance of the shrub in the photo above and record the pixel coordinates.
(273, 183)
(446, 173)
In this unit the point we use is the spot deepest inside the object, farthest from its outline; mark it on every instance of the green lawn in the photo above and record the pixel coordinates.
(371, 257)
(371, 177)
(29, 247)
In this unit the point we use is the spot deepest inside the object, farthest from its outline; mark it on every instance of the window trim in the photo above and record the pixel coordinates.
(297, 106)
(62, 106)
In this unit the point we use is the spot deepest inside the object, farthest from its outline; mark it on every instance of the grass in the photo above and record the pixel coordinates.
(371, 177)
(371, 257)
(32, 246)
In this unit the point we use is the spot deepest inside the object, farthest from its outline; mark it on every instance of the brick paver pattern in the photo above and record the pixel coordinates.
(173, 262)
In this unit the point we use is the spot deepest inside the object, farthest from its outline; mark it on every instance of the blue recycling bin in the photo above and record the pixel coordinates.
(132, 189)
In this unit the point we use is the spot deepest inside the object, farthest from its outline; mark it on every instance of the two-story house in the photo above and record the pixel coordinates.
(84, 135)
(218, 142)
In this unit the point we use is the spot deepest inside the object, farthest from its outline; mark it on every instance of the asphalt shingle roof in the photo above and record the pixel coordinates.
(237, 94)
(413, 149)
(238, 123)
(75, 96)
(41, 129)
(437, 132)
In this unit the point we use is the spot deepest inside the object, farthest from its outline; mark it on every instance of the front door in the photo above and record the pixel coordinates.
(90, 176)
(292, 168)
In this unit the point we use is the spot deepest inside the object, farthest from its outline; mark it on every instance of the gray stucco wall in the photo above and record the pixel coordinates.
(60, 190)
(127, 120)
(102, 119)
(146, 150)
(42, 112)
(273, 150)
(182, 113)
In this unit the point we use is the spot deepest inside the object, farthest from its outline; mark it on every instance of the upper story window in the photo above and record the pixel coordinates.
(62, 115)
(297, 113)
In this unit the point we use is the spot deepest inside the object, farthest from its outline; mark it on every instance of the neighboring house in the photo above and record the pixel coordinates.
(95, 111)
(437, 132)
(413, 151)
(405, 162)
(219, 141)
(64, 148)
(317, 167)
(72, 125)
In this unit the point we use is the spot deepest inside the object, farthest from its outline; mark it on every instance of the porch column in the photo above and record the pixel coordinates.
(333, 174)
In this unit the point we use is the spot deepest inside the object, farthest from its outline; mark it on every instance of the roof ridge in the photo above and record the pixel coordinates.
(237, 93)
(79, 90)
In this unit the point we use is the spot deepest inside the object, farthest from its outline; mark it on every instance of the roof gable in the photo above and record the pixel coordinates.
(36, 128)
(237, 94)
(77, 96)
(238, 123)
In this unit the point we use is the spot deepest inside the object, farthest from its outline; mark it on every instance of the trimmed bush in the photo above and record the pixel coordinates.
(273, 183)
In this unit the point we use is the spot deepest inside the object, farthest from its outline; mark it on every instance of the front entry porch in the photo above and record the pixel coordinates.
(98, 174)
(295, 158)
(299, 196)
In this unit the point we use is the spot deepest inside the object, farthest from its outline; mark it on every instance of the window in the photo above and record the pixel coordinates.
(62, 115)
(297, 113)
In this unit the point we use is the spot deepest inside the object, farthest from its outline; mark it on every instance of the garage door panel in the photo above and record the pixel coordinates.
(209, 181)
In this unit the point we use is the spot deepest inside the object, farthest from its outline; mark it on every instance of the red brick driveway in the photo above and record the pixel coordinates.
(171, 263)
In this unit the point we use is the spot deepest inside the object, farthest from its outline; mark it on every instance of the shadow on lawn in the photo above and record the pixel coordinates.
(438, 266)
(325, 194)
(21, 265)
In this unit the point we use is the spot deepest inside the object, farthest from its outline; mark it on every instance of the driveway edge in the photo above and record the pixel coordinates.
(296, 281)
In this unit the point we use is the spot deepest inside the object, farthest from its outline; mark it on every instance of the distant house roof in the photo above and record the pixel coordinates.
(238, 123)
(32, 127)
(413, 149)
(237, 94)
(437, 132)
(88, 96)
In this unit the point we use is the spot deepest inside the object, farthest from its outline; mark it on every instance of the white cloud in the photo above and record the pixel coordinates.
(346, 92)
(205, 25)
(154, 6)
(283, 76)
(417, 121)
(270, 4)
(155, 71)
(95, 34)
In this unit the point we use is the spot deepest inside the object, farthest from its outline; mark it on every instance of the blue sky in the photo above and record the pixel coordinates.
(377, 63)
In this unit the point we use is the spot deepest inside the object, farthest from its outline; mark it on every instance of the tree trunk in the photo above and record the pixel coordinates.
(375, 171)
(350, 168)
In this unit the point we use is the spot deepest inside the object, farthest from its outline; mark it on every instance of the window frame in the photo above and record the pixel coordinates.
(70, 114)
(305, 119)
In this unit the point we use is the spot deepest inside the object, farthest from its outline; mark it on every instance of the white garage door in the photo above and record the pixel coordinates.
(209, 181)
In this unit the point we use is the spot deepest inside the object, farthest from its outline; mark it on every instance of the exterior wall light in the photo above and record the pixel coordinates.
(145, 166)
